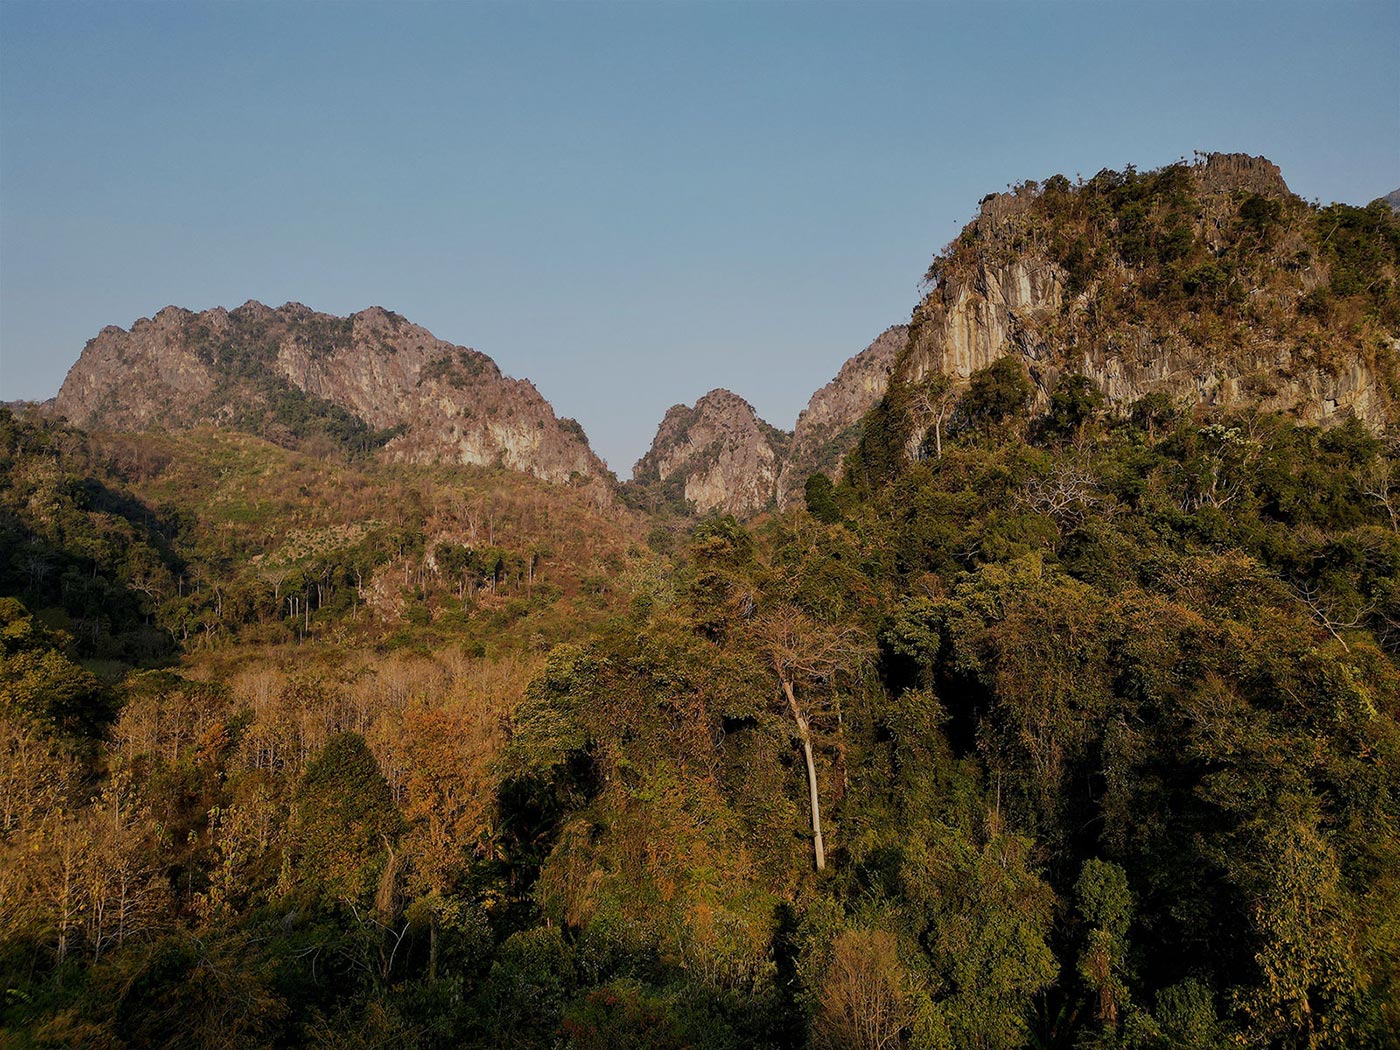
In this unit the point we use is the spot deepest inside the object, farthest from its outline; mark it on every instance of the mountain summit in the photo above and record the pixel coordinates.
(716, 455)
(368, 380)
(1206, 286)
(1209, 284)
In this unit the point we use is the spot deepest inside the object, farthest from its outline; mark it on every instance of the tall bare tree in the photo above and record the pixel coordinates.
(934, 402)
(807, 657)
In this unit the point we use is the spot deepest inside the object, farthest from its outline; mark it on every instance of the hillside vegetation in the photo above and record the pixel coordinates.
(1056, 721)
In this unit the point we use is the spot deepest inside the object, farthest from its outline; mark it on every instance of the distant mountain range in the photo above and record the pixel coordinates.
(1115, 279)
(374, 382)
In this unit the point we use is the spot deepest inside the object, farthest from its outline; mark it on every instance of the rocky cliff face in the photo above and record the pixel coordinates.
(715, 456)
(1207, 286)
(290, 370)
(147, 376)
(829, 426)
(718, 455)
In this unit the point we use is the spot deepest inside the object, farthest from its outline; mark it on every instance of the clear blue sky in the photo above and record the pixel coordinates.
(629, 203)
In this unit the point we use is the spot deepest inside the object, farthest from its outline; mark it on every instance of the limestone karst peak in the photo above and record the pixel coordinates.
(370, 379)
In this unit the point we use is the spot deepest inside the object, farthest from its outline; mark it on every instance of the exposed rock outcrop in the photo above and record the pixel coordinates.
(1239, 172)
(829, 426)
(271, 370)
(715, 456)
(1000, 292)
(1206, 283)
(149, 376)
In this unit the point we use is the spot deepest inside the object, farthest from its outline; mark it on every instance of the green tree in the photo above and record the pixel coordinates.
(1106, 907)
(1000, 392)
(985, 920)
(1074, 403)
(821, 503)
(345, 824)
(42, 686)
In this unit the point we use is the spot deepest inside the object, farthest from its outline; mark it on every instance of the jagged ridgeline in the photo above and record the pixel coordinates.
(718, 456)
(356, 383)
(1206, 285)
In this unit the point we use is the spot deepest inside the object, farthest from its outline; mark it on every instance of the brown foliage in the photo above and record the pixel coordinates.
(867, 1000)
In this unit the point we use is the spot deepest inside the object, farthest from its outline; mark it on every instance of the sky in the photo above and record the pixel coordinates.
(627, 203)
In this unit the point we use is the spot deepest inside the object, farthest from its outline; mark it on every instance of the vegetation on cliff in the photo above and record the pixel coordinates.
(1207, 282)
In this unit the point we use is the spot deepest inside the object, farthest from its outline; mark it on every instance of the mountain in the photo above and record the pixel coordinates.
(716, 455)
(1393, 199)
(829, 426)
(1209, 284)
(365, 381)
(1206, 285)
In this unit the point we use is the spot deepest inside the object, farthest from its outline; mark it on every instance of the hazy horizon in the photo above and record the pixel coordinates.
(628, 205)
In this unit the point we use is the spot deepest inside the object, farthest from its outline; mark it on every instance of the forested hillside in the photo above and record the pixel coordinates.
(1058, 720)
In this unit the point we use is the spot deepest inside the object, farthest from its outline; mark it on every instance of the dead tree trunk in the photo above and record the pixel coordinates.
(804, 733)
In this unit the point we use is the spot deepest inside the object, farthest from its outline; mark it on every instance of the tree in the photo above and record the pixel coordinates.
(984, 919)
(999, 392)
(1261, 215)
(446, 798)
(1073, 403)
(1378, 482)
(42, 686)
(1106, 907)
(808, 656)
(35, 776)
(345, 822)
(1309, 992)
(1152, 413)
(867, 998)
(126, 893)
(821, 503)
(934, 401)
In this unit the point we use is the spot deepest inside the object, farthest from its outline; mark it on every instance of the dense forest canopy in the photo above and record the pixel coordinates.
(1069, 723)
